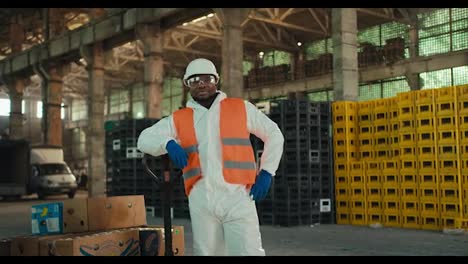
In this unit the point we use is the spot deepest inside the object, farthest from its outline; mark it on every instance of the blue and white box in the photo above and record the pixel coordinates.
(47, 218)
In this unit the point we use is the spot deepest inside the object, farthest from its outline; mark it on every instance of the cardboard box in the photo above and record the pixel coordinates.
(47, 218)
(5, 245)
(152, 240)
(111, 243)
(29, 245)
(115, 212)
(75, 215)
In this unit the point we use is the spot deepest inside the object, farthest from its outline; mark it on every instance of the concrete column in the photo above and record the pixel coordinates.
(345, 63)
(16, 85)
(232, 50)
(412, 78)
(53, 106)
(94, 57)
(152, 39)
(16, 88)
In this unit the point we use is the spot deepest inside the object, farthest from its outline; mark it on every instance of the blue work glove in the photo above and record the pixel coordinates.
(262, 184)
(177, 154)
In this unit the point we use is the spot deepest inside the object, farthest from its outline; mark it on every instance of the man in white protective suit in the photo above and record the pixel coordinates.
(210, 141)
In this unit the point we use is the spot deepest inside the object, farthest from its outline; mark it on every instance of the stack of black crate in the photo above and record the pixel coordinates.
(126, 174)
(302, 190)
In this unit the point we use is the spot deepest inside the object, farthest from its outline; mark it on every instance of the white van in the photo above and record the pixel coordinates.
(50, 174)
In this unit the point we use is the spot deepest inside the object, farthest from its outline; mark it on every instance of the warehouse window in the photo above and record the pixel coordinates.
(172, 95)
(276, 57)
(119, 101)
(392, 86)
(79, 110)
(246, 67)
(322, 96)
(383, 88)
(370, 91)
(444, 78)
(5, 106)
(138, 101)
(39, 110)
(79, 143)
(443, 30)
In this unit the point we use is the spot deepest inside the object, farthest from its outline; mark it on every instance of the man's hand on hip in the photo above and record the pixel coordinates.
(262, 184)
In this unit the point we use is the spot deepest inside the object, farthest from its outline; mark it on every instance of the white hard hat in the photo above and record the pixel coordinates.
(200, 66)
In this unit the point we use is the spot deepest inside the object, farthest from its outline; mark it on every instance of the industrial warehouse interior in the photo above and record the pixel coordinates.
(372, 104)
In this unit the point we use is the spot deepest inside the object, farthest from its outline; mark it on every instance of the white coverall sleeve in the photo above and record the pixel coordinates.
(153, 139)
(268, 131)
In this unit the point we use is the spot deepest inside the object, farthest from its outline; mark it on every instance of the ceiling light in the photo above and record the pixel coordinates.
(299, 43)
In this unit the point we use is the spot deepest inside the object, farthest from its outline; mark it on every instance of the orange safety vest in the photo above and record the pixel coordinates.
(239, 165)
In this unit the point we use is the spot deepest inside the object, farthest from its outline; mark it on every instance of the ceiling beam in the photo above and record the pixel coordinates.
(284, 24)
(209, 34)
(319, 22)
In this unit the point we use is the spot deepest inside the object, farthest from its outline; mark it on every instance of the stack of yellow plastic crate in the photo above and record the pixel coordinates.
(403, 161)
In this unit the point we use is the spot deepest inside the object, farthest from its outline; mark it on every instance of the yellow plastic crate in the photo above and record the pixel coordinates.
(340, 107)
(461, 223)
(427, 165)
(447, 137)
(382, 105)
(426, 138)
(464, 152)
(390, 166)
(342, 205)
(430, 222)
(448, 180)
(374, 205)
(407, 125)
(392, 220)
(406, 98)
(463, 121)
(445, 108)
(406, 112)
(424, 110)
(449, 195)
(374, 218)
(445, 94)
(425, 124)
(373, 192)
(411, 221)
(408, 179)
(448, 165)
(343, 218)
(407, 139)
(358, 205)
(446, 123)
(428, 179)
(373, 179)
(358, 218)
(429, 208)
(358, 192)
(428, 193)
(463, 136)
(450, 210)
(410, 207)
(448, 222)
(426, 152)
(424, 96)
(462, 91)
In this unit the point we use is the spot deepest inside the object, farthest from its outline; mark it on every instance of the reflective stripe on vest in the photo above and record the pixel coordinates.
(239, 165)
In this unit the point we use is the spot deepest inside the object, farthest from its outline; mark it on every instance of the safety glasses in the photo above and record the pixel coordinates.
(197, 80)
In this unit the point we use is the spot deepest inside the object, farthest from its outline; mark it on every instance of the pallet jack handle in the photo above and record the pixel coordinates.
(166, 185)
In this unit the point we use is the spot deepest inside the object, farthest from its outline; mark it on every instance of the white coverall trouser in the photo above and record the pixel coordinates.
(224, 218)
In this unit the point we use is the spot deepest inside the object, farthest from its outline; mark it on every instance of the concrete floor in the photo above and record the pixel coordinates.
(319, 240)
